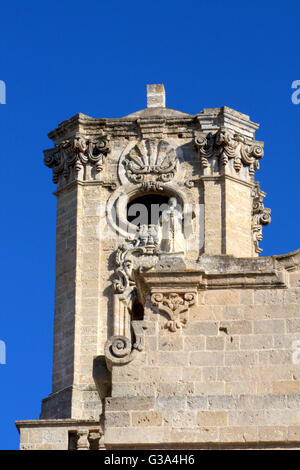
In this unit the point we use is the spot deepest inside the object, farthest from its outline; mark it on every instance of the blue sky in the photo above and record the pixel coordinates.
(96, 57)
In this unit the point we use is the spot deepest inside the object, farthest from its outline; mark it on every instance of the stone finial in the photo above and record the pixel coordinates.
(156, 96)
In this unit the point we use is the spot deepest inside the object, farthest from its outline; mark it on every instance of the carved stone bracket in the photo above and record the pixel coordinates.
(128, 338)
(151, 157)
(76, 153)
(121, 350)
(175, 305)
(229, 146)
(260, 215)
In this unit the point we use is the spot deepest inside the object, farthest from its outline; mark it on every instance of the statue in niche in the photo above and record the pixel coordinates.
(171, 229)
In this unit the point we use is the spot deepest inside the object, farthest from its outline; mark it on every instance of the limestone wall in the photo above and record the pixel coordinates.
(231, 376)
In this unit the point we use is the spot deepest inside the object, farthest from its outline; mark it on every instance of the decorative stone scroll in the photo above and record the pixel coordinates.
(131, 256)
(175, 305)
(154, 157)
(122, 350)
(260, 215)
(228, 146)
(136, 254)
(75, 154)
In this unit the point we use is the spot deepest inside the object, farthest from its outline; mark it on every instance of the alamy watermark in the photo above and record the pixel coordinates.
(2, 352)
(2, 92)
(160, 222)
(295, 97)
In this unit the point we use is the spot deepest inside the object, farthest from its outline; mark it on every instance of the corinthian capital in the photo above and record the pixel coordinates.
(73, 156)
(228, 146)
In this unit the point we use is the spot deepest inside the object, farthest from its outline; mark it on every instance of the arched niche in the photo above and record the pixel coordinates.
(124, 197)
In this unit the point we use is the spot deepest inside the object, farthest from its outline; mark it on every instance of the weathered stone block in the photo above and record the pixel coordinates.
(212, 418)
(146, 418)
(117, 418)
(129, 403)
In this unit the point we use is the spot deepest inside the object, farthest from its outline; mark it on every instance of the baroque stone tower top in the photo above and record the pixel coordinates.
(207, 160)
(165, 315)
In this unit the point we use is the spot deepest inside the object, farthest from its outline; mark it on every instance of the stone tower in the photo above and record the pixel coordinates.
(170, 331)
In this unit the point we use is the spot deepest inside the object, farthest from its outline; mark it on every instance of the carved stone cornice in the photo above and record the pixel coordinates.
(260, 215)
(226, 146)
(153, 127)
(218, 272)
(71, 156)
(166, 123)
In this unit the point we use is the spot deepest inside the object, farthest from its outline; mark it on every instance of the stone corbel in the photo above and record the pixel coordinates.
(71, 157)
(175, 305)
(170, 289)
(122, 350)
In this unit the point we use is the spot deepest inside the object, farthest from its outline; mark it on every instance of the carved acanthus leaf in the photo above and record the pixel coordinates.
(143, 246)
(174, 305)
(227, 146)
(76, 153)
(151, 157)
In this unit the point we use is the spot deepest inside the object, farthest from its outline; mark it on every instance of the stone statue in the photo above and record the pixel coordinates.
(171, 228)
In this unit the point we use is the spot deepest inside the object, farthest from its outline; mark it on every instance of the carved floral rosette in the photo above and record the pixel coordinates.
(152, 158)
(226, 146)
(175, 305)
(76, 153)
(260, 215)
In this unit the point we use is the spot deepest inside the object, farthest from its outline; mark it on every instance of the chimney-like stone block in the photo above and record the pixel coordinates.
(156, 96)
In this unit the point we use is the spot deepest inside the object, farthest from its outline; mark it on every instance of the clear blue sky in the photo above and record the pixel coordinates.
(59, 58)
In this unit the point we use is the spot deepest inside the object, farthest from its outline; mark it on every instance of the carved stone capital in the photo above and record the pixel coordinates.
(74, 155)
(226, 146)
(175, 305)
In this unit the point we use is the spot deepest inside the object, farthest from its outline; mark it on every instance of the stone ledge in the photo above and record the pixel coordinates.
(71, 423)
(228, 435)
